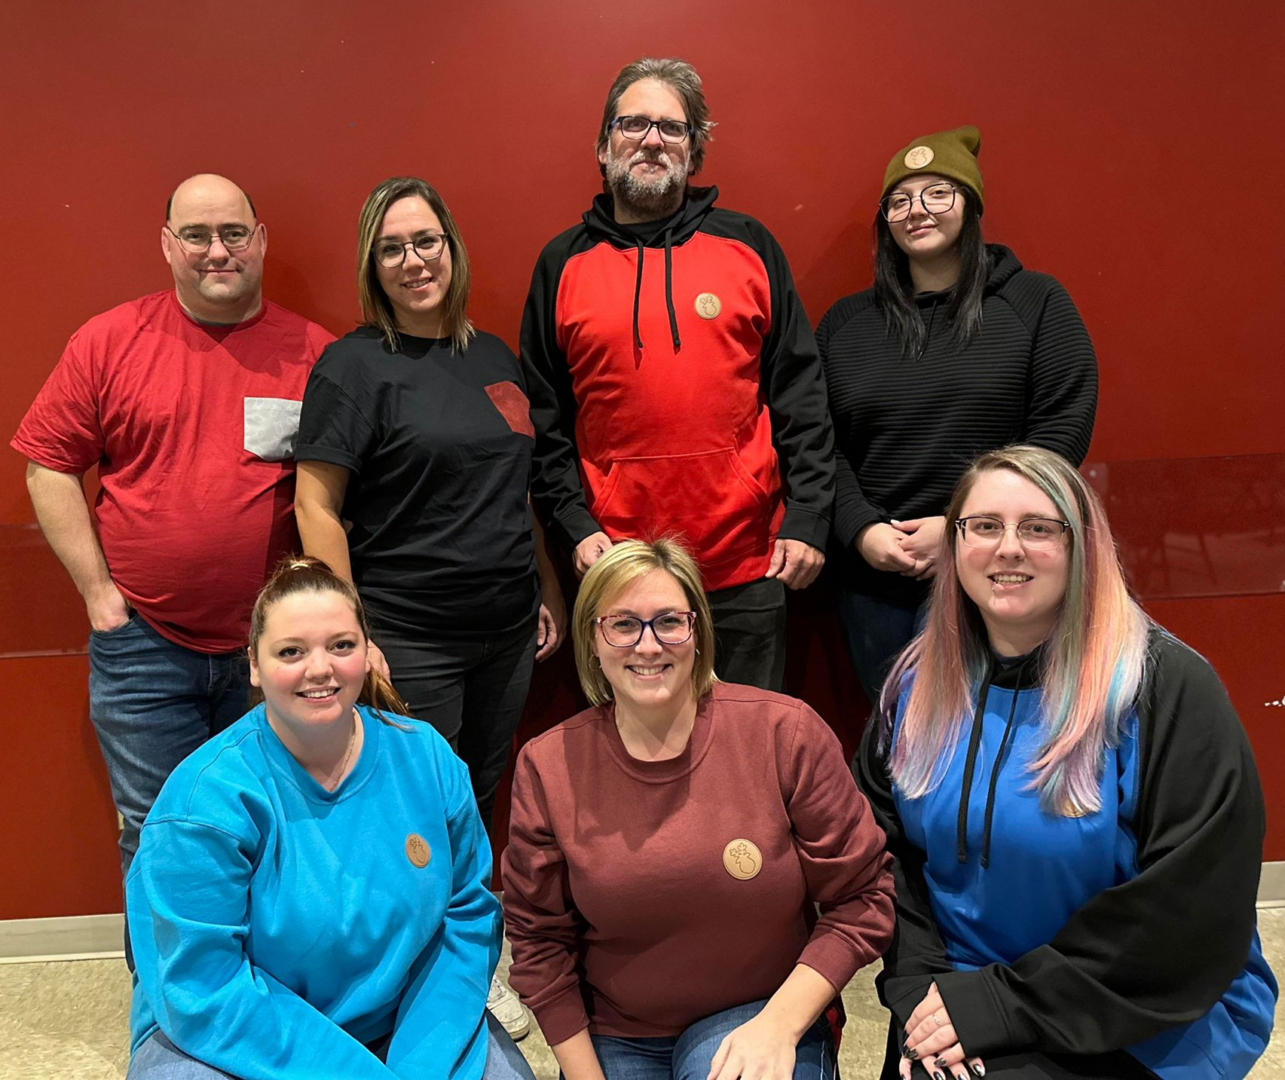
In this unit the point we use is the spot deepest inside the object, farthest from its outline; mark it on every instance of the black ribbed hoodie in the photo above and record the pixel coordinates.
(905, 429)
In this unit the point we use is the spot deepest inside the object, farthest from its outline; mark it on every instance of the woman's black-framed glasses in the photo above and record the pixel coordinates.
(637, 127)
(1033, 532)
(935, 199)
(428, 246)
(626, 631)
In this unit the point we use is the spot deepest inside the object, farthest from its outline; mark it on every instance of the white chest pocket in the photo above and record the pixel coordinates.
(271, 427)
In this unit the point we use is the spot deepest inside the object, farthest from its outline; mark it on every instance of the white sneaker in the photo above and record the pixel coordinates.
(508, 1010)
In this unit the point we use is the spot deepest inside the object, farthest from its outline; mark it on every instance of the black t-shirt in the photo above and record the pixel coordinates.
(439, 445)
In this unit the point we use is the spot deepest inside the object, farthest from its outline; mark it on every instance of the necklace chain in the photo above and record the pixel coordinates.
(352, 741)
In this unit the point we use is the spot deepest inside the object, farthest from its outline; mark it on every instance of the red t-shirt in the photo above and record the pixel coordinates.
(643, 896)
(192, 428)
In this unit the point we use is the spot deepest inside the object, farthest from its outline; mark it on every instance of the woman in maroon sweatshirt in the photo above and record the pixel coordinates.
(669, 849)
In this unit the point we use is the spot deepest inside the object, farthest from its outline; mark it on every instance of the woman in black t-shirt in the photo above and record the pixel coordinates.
(414, 459)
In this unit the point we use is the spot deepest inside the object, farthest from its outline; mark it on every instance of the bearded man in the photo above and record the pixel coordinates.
(674, 380)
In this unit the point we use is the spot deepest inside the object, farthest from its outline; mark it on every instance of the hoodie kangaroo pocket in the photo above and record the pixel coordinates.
(710, 500)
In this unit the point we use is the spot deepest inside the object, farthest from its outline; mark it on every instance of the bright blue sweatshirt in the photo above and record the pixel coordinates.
(1078, 935)
(278, 928)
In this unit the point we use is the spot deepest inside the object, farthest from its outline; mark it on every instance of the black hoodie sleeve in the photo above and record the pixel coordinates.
(1161, 949)
(852, 510)
(556, 489)
(795, 388)
(916, 956)
(1062, 386)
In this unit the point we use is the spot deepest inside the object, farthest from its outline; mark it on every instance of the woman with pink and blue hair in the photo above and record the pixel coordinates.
(1073, 807)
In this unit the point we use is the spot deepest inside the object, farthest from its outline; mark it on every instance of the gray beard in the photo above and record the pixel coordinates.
(648, 199)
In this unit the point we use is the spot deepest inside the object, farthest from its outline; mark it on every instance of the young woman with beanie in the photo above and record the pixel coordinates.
(956, 349)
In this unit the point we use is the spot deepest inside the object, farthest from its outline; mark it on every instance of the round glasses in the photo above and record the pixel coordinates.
(626, 631)
(638, 127)
(935, 199)
(198, 240)
(1035, 532)
(428, 246)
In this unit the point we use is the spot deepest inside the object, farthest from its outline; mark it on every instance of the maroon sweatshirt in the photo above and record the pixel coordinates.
(643, 896)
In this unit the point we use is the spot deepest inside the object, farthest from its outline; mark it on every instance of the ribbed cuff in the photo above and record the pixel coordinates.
(805, 525)
(561, 1017)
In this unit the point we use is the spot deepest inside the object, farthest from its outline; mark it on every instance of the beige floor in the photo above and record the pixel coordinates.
(69, 1020)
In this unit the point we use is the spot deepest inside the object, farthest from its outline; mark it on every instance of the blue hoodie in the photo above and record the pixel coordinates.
(1130, 928)
(279, 929)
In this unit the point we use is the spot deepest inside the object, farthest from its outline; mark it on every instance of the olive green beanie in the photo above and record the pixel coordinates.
(952, 154)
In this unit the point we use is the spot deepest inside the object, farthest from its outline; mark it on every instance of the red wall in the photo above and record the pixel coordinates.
(1129, 149)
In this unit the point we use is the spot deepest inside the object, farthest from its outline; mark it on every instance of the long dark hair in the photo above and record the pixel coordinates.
(895, 295)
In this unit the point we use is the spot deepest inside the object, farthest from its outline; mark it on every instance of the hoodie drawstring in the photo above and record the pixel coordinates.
(990, 795)
(638, 292)
(669, 288)
(970, 765)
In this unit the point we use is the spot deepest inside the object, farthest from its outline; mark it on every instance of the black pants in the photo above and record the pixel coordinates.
(472, 692)
(1033, 1065)
(749, 634)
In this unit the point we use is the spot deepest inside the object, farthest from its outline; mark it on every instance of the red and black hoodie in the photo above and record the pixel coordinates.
(675, 388)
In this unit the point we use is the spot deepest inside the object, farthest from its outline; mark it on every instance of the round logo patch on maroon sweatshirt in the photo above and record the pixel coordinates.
(742, 859)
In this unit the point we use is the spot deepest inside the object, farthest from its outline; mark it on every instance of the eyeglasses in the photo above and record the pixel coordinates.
(198, 240)
(626, 631)
(428, 246)
(1035, 532)
(935, 199)
(639, 127)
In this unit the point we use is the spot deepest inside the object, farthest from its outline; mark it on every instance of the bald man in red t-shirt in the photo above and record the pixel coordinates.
(187, 401)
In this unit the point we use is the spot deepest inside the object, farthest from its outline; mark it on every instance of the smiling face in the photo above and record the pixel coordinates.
(1018, 590)
(416, 289)
(647, 176)
(216, 285)
(310, 661)
(924, 236)
(650, 676)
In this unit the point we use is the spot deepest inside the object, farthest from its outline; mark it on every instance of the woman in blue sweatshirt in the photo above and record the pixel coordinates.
(311, 893)
(1073, 807)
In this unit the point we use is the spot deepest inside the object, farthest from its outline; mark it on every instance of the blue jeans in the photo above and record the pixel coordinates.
(875, 631)
(152, 703)
(688, 1056)
(160, 1059)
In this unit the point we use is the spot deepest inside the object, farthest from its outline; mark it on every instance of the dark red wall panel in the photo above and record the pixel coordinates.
(1125, 149)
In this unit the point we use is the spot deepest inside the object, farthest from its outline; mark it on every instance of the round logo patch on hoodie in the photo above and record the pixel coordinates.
(708, 305)
(918, 156)
(417, 850)
(742, 859)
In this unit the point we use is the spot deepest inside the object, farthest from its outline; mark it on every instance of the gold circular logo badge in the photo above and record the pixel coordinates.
(918, 156)
(742, 859)
(708, 305)
(417, 850)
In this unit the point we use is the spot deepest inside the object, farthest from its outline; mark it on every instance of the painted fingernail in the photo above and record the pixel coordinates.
(912, 1054)
(938, 1075)
(940, 1063)
(978, 1068)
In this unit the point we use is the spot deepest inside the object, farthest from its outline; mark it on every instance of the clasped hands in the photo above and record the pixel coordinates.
(908, 548)
(931, 1042)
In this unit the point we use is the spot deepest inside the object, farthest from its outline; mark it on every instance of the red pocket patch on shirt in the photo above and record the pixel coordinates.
(513, 405)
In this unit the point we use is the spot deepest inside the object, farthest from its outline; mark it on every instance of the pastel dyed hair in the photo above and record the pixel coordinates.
(610, 576)
(1092, 666)
(303, 574)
